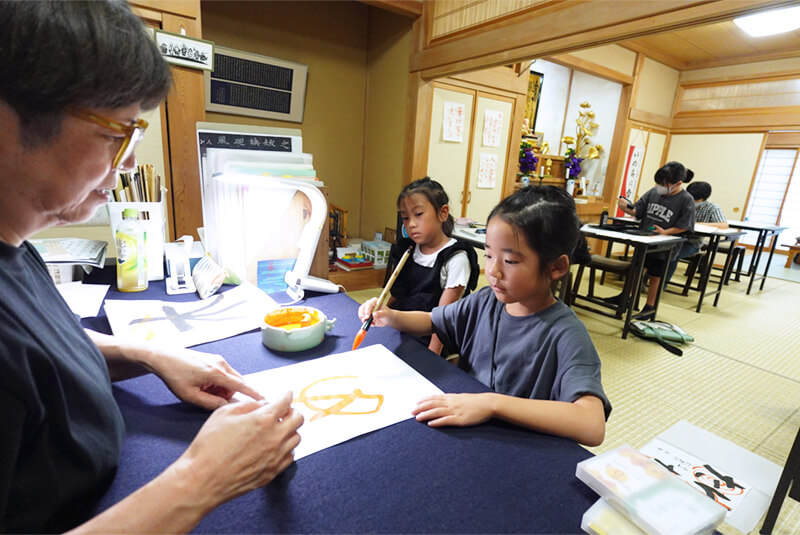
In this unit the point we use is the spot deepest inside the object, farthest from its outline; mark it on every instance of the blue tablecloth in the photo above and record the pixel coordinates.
(407, 478)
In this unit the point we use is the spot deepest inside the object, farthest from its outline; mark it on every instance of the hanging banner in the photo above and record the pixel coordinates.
(630, 181)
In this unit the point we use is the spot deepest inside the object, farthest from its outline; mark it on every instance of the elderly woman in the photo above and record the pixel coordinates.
(74, 78)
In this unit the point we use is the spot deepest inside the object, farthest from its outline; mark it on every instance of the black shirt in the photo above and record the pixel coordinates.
(61, 428)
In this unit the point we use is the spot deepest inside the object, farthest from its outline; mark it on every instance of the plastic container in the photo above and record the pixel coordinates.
(131, 238)
(377, 252)
(647, 494)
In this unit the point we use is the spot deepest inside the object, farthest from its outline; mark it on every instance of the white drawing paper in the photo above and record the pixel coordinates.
(492, 128)
(701, 475)
(453, 122)
(345, 395)
(187, 324)
(487, 170)
(84, 300)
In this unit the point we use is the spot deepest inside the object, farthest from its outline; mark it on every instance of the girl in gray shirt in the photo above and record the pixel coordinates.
(514, 336)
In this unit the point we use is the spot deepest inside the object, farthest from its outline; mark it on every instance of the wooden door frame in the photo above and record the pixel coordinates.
(184, 107)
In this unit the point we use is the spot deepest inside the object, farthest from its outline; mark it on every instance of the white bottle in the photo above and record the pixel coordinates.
(131, 257)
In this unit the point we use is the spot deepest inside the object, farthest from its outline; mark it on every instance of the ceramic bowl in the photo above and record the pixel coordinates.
(295, 328)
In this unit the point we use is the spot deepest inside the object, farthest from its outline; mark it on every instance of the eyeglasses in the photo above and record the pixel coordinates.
(133, 133)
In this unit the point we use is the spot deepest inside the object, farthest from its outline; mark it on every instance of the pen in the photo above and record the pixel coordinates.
(365, 327)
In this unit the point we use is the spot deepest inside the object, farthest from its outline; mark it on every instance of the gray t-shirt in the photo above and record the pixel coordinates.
(547, 355)
(666, 211)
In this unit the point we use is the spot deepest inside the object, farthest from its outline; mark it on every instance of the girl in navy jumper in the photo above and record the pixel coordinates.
(442, 269)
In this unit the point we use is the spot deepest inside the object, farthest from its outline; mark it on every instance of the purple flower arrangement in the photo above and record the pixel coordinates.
(527, 160)
(572, 163)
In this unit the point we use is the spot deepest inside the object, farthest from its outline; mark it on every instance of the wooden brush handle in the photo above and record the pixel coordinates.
(395, 273)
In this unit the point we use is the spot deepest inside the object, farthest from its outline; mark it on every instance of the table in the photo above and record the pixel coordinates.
(642, 246)
(406, 478)
(764, 231)
(471, 235)
(715, 236)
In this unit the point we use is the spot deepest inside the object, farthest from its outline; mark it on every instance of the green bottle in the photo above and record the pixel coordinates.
(131, 257)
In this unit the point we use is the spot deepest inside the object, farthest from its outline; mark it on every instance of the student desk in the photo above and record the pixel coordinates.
(642, 246)
(471, 235)
(764, 232)
(406, 478)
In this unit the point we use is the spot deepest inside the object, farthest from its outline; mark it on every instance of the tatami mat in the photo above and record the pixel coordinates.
(740, 379)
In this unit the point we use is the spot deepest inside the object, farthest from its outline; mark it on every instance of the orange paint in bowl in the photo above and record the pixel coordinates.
(292, 318)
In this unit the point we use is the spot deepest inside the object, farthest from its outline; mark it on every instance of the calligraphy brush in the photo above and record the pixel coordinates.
(365, 327)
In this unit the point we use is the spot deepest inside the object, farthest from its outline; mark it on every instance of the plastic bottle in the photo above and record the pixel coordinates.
(131, 257)
(604, 215)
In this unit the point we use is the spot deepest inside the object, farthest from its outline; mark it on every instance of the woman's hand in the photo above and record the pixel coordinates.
(203, 379)
(453, 409)
(241, 447)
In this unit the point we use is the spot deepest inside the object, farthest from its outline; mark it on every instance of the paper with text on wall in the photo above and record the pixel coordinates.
(345, 395)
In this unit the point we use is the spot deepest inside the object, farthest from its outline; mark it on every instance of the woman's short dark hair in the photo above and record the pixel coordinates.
(436, 195)
(673, 173)
(546, 217)
(699, 190)
(58, 55)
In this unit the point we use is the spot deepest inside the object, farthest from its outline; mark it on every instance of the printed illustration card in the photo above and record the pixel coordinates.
(345, 395)
(701, 475)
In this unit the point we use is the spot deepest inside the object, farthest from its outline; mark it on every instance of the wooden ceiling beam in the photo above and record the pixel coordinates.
(407, 8)
(563, 27)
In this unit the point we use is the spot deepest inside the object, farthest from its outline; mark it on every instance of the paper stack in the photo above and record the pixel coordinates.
(71, 251)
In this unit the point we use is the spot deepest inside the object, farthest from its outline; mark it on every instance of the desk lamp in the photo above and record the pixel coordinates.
(244, 201)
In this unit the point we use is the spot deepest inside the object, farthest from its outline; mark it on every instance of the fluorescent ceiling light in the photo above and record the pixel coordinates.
(770, 22)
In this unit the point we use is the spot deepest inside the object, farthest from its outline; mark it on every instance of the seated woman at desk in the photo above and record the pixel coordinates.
(74, 78)
(669, 210)
(514, 336)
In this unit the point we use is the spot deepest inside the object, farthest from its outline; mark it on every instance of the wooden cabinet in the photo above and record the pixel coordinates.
(472, 171)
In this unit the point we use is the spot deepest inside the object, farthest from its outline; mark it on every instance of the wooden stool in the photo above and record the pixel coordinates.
(794, 250)
(605, 264)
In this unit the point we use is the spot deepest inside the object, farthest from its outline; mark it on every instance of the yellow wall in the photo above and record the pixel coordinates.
(657, 86)
(331, 38)
(726, 161)
(387, 102)
(613, 57)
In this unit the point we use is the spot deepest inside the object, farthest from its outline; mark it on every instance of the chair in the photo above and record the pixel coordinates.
(610, 265)
(694, 262)
(562, 288)
(790, 477)
(735, 256)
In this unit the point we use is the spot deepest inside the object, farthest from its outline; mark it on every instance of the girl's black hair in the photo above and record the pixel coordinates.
(673, 173)
(546, 216)
(434, 192)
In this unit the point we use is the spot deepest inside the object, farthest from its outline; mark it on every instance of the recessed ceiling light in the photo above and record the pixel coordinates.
(770, 22)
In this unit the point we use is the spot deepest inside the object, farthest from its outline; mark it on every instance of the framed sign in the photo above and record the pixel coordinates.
(185, 51)
(243, 83)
